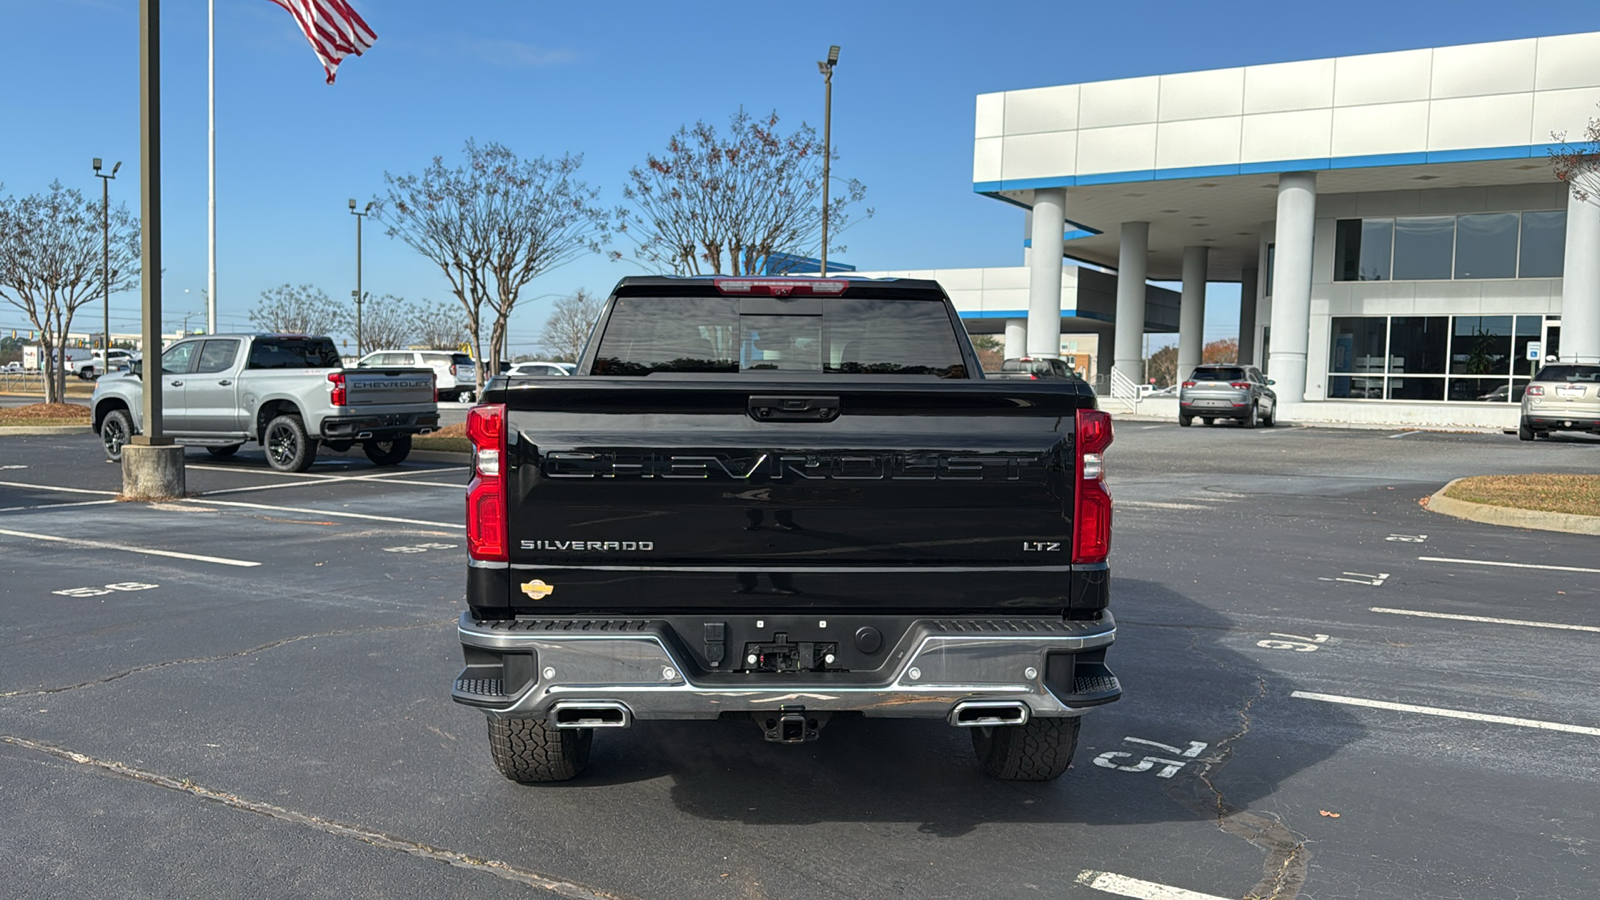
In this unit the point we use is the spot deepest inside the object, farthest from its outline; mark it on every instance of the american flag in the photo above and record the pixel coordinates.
(334, 29)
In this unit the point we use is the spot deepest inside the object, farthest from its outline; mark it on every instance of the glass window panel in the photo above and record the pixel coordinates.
(1415, 388)
(217, 356)
(1518, 385)
(1528, 328)
(1377, 244)
(1481, 345)
(1486, 246)
(1347, 250)
(1272, 258)
(1544, 240)
(1357, 347)
(1423, 247)
(1417, 345)
(1483, 390)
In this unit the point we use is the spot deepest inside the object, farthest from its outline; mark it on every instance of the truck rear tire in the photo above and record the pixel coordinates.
(530, 751)
(116, 430)
(1037, 750)
(392, 452)
(289, 448)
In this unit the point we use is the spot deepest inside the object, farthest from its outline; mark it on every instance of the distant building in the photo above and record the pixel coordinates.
(1392, 219)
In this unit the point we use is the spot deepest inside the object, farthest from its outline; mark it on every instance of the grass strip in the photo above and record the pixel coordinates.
(1573, 494)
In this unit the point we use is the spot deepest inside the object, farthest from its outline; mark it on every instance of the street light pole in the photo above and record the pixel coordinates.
(105, 263)
(826, 68)
(359, 214)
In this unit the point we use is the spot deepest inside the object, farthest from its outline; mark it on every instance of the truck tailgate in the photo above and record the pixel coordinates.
(652, 494)
(388, 386)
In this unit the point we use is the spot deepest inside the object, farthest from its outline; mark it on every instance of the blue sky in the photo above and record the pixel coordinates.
(611, 81)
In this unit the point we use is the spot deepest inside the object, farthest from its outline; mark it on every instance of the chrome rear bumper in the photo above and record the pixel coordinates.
(636, 668)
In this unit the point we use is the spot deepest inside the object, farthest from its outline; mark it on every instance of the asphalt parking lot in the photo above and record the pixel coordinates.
(1331, 692)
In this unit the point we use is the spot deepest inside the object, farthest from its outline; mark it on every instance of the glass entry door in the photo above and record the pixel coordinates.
(1552, 340)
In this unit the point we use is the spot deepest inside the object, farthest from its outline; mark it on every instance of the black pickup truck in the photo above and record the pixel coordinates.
(785, 499)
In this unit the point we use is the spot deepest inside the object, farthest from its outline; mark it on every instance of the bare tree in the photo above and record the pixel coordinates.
(440, 326)
(726, 205)
(52, 264)
(991, 351)
(1579, 164)
(388, 321)
(492, 225)
(299, 310)
(571, 320)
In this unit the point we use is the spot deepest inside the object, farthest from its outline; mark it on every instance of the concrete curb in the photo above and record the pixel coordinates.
(1510, 516)
(45, 429)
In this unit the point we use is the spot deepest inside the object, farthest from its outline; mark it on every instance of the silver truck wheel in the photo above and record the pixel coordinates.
(289, 448)
(388, 453)
(116, 429)
(529, 751)
(1037, 750)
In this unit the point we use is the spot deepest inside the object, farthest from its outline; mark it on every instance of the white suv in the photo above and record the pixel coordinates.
(456, 372)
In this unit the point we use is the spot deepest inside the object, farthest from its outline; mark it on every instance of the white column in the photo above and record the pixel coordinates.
(1044, 273)
(1291, 283)
(1248, 278)
(1580, 282)
(1192, 311)
(1132, 263)
(1016, 338)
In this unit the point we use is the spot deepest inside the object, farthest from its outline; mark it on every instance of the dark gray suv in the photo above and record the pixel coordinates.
(1227, 392)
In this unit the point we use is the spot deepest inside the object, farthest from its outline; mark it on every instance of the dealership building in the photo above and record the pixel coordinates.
(1403, 247)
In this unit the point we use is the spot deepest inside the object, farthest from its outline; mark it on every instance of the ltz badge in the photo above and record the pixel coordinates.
(537, 589)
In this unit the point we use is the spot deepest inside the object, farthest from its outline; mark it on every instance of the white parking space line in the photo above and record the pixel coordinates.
(1123, 886)
(147, 551)
(51, 487)
(1487, 619)
(407, 472)
(1447, 713)
(324, 512)
(1507, 565)
(315, 478)
(56, 505)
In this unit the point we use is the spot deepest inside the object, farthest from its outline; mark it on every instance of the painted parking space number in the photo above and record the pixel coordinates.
(1372, 580)
(107, 589)
(419, 548)
(1296, 642)
(1126, 762)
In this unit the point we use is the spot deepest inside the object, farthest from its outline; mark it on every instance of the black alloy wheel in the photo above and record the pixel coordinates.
(116, 429)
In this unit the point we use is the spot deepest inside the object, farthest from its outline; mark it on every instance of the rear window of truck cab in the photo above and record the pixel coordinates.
(293, 353)
(832, 336)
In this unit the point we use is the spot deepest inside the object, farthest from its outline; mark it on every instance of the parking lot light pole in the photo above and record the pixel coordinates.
(359, 214)
(826, 68)
(105, 263)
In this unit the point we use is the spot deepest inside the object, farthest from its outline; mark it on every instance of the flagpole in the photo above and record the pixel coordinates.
(211, 246)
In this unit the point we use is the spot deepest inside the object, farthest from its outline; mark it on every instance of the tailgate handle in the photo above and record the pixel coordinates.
(793, 409)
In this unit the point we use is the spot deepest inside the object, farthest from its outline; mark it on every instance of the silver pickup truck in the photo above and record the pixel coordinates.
(288, 392)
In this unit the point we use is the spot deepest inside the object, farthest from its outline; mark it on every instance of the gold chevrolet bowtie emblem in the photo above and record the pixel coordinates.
(537, 589)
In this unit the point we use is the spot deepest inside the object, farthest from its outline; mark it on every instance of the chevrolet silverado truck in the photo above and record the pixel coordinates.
(288, 392)
(785, 499)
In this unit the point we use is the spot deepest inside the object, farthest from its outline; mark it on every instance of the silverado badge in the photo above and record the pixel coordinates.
(537, 589)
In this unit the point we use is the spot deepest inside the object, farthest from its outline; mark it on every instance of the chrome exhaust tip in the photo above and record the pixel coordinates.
(988, 713)
(363, 435)
(591, 714)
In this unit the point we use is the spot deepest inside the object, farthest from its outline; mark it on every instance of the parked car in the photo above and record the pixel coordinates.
(1027, 367)
(542, 368)
(286, 391)
(456, 372)
(11, 368)
(1561, 397)
(1215, 392)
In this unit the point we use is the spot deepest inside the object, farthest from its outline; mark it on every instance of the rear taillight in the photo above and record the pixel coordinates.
(486, 494)
(782, 287)
(1535, 390)
(338, 395)
(1091, 522)
(436, 389)
(1239, 385)
(453, 371)
(1188, 384)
